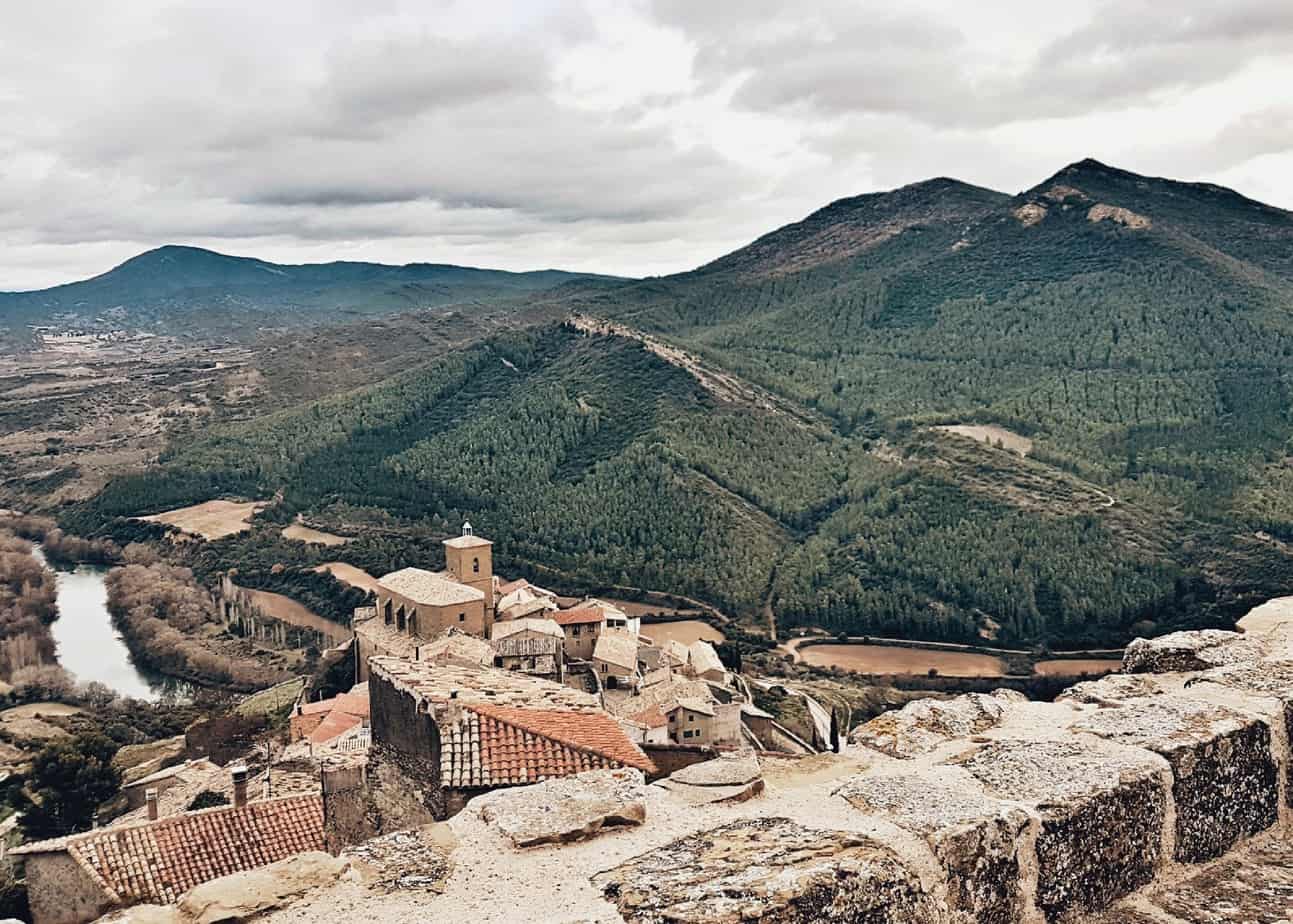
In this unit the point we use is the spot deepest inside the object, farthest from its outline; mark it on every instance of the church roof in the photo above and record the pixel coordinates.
(429, 588)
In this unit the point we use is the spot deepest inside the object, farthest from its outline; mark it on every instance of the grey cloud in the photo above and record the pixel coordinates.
(850, 59)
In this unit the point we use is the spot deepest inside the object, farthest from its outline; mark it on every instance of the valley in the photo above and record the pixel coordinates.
(864, 422)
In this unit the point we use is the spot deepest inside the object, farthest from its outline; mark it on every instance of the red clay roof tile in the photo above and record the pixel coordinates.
(159, 861)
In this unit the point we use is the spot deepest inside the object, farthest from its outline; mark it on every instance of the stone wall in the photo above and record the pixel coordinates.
(401, 784)
(61, 891)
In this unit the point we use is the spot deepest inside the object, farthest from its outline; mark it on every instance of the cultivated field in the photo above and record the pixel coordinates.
(210, 520)
(881, 659)
(685, 631)
(990, 433)
(349, 574)
(1075, 667)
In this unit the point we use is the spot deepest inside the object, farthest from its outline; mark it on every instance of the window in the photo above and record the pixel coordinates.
(575, 633)
(498, 660)
(475, 565)
(462, 617)
(387, 611)
(690, 717)
(400, 619)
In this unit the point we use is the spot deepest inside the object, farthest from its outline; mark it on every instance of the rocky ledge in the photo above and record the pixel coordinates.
(1162, 794)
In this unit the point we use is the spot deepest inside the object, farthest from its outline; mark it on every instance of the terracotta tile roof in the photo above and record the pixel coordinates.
(386, 639)
(651, 718)
(489, 746)
(617, 647)
(578, 615)
(456, 648)
(428, 587)
(467, 542)
(188, 768)
(157, 862)
(692, 705)
(333, 726)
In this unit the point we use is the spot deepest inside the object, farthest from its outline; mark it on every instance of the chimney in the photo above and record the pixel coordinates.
(150, 799)
(240, 786)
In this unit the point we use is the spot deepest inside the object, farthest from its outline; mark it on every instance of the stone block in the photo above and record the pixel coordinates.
(567, 808)
(1103, 810)
(924, 725)
(247, 894)
(975, 837)
(1115, 689)
(1190, 651)
(772, 870)
(1252, 886)
(1270, 680)
(1224, 773)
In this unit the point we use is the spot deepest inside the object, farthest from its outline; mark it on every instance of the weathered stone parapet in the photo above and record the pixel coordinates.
(926, 724)
(1102, 812)
(1189, 651)
(978, 840)
(1140, 798)
(1224, 774)
(772, 870)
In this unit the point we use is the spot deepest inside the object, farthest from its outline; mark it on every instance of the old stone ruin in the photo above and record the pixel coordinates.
(1160, 795)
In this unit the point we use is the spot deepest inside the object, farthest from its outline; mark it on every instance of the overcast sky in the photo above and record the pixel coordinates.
(625, 137)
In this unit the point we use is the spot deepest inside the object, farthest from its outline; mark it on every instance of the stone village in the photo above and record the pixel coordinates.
(497, 749)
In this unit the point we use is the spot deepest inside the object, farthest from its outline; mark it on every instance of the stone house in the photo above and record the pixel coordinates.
(696, 721)
(441, 735)
(535, 646)
(616, 618)
(166, 779)
(650, 726)
(615, 658)
(582, 626)
(674, 654)
(71, 880)
(704, 664)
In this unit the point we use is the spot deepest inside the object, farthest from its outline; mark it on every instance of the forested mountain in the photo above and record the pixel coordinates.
(1138, 331)
(191, 291)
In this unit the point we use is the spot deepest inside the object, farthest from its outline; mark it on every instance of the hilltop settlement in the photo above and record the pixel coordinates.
(500, 757)
(463, 683)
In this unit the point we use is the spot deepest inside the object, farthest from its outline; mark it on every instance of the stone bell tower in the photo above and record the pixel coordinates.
(470, 559)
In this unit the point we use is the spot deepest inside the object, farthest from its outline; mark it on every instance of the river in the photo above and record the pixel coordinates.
(89, 646)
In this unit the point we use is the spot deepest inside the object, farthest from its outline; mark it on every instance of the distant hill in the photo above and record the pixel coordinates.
(190, 291)
(1134, 335)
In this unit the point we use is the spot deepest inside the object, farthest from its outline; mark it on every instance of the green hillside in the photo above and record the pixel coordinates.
(1138, 331)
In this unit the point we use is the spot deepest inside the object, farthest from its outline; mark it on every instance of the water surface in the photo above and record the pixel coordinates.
(89, 646)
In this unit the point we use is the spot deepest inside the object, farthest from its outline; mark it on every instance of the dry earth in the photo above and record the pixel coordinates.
(991, 433)
(212, 519)
(882, 659)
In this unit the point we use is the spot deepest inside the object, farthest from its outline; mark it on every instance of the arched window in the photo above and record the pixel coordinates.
(399, 619)
(386, 610)
(475, 565)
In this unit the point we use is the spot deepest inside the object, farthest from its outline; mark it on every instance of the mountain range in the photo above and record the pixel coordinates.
(771, 432)
(191, 291)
